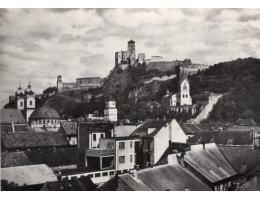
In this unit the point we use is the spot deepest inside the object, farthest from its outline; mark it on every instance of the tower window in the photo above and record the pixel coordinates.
(183, 95)
(186, 96)
(94, 137)
(21, 104)
(30, 102)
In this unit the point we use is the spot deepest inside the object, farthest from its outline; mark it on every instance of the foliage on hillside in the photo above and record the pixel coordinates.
(240, 79)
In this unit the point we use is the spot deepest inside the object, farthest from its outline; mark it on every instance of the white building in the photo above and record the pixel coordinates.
(25, 100)
(45, 119)
(110, 112)
(182, 100)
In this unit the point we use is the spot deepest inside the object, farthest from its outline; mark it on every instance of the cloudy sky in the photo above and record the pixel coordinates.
(39, 44)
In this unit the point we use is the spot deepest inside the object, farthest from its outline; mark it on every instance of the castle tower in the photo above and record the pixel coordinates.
(59, 83)
(184, 88)
(29, 100)
(131, 50)
(19, 96)
(110, 112)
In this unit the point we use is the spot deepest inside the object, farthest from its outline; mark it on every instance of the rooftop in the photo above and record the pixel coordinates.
(7, 116)
(32, 139)
(69, 128)
(242, 158)
(28, 175)
(45, 112)
(152, 124)
(209, 162)
(77, 184)
(12, 159)
(165, 177)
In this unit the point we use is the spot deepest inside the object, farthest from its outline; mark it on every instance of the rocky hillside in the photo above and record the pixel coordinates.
(138, 92)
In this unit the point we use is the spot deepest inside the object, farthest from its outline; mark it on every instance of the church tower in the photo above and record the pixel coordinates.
(184, 88)
(29, 101)
(59, 83)
(110, 112)
(131, 51)
(19, 96)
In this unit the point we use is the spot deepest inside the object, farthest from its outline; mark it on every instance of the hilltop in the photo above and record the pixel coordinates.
(139, 91)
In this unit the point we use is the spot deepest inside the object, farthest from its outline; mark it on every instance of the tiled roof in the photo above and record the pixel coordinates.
(45, 112)
(170, 177)
(7, 116)
(62, 156)
(209, 162)
(149, 124)
(12, 159)
(33, 139)
(222, 137)
(7, 128)
(28, 175)
(242, 158)
(126, 182)
(70, 128)
(195, 128)
(77, 184)
(125, 130)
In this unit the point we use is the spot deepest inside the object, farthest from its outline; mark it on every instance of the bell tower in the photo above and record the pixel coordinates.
(19, 96)
(29, 101)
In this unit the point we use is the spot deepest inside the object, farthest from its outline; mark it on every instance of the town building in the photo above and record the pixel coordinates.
(110, 112)
(45, 119)
(182, 100)
(69, 128)
(155, 138)
(12, 120)
(89, 133)
(81, 83)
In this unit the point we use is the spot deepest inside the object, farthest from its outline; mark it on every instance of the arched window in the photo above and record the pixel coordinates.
(185, 87)
(183, 95)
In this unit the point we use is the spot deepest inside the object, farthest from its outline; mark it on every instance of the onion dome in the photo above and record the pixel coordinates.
(29, 89)
(45, 112)
(19, 91)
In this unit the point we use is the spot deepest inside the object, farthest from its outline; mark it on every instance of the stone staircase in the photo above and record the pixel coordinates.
(213, 99)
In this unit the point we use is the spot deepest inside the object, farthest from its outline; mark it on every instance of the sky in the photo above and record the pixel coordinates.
(40, 44)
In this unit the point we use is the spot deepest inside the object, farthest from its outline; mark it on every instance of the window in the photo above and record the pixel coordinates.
(21, 104)
(131, 144)
(183, 95)
(121, 159)
(30, 102)
(97, 175)
(186, 96)
(102, 135)
(94, 137)
(111, 173)
(104, 173)
(131, 158)
(121, 145)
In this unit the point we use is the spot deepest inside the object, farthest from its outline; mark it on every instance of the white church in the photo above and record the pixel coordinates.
(182, 100)
(25, 100)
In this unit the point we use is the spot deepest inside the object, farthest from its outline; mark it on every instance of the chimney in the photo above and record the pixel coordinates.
(203, 146)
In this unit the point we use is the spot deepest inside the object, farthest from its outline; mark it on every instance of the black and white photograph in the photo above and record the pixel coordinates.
(130, 99)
